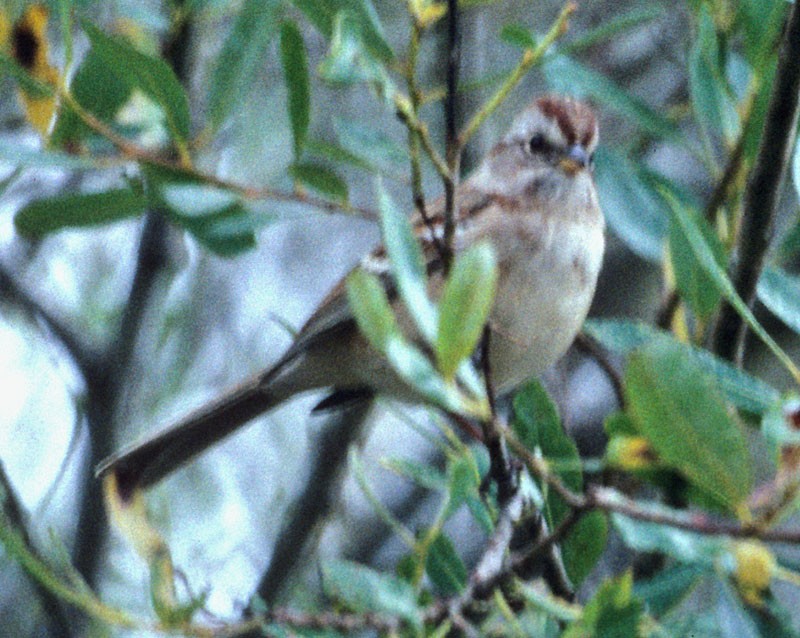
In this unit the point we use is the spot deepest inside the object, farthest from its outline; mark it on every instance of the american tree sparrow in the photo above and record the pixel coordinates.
(533, 198)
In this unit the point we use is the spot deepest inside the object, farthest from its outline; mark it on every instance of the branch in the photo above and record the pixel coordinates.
(319, 495)
(529, 58)
(453, 145)
(106, 382)
(763, 189)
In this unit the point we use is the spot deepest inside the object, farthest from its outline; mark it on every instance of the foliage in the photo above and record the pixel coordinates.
(688, 420)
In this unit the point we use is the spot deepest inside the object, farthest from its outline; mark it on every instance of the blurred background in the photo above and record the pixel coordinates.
(120, 329)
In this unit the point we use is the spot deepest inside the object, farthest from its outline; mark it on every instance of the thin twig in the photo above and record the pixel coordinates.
(763, 190)
(612, 501)
(452, 143)
(413, 140)
(529, 58)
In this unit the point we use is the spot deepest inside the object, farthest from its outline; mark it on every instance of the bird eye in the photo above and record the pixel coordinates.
(537, 143)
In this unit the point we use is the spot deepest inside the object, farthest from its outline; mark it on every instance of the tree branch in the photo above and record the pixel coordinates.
(763, 190)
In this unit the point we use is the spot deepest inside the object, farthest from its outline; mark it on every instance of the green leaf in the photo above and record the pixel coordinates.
(719, 277)
(349, 59)
(761, 21)
(463, 481)
(100, 90)
(362, 590)
(422, 474)
(679, 409)
(633, 208)
(780, 293)
(295, 74)
(613, 612)
(338, 155)
(323, 16)
(362, 139)
(682, 545)
(613, 28)
(320, 179)
(408, 265)
(518, 35)
(216, 217)
(68, 211)
(29, 157)
(464, 307)
(713, 106)
(445, 567)
(537, 424)
(241, 58)
(565, 75)
(746, 392)
(692, 281)
(669, 587)
(152, 76)
(371, 308)
(417, 370)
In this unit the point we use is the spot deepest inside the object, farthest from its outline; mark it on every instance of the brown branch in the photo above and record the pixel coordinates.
(452, 145)
(763, 190)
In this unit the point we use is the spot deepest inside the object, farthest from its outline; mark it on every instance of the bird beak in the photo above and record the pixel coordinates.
(575, 159)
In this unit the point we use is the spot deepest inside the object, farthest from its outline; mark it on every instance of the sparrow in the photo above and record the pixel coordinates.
(532, 198)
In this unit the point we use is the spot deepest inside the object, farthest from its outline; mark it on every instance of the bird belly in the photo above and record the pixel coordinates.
(550, 293)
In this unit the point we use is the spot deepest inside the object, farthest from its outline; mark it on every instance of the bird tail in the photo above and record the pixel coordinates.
(146, 463)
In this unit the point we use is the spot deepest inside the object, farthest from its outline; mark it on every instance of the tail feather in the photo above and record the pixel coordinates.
(146, 463)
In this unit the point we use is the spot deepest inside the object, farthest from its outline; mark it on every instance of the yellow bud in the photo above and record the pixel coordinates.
(630, 453)
(755, 566)
(431, 13)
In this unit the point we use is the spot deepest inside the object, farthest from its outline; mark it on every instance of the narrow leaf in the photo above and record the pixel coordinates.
(691, 279)
(445, 567)
(242, 55)
(408, 265)
(323, 16)
(320, 179)
(100, 90)
(680, 411)
(538, 426)
(614, 27)
(214, 216)
(746, 392)
(666, 589)
(780, 293)
(371, 308)
(633, 208)
(364, 139)
(710, 98)
(723, 283)
(464, 307)
(682, 545)
(295, 75)
(362, 589)
(91, 209)
(151, 75)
